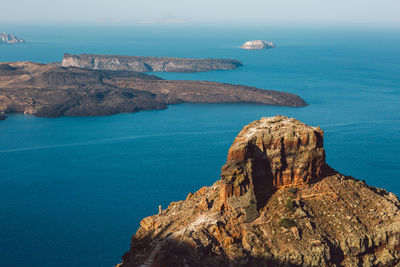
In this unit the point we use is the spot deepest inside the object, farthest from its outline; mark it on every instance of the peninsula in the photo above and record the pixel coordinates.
(148, 64)
(52, 91)
(6, 38)
(277, 204)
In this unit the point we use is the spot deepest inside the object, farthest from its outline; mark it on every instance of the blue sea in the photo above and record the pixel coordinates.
(73, 190)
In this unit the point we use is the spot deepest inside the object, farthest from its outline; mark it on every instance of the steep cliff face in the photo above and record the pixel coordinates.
(268, 154)
(146, 64)
(277, 204)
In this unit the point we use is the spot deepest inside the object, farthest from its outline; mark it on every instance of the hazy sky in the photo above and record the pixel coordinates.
(381, 12)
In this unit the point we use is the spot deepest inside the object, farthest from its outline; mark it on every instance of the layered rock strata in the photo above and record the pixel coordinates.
(277, 204)
(52, 91)
(147, 64)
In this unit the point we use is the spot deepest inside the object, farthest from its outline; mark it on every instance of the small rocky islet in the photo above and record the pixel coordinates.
(6, 38)
(277, 204)
(258, 45)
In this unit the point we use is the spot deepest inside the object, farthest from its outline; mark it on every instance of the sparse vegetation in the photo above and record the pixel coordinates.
(289, 205)
(293, 190)
(287, 223)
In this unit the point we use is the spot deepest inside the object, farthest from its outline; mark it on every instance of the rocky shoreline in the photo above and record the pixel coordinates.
(52, 91)
(277, 204)
(148, 64)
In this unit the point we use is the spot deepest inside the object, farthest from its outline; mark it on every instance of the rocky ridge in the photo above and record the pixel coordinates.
(277, 204)
(148, 64)
(52, 91)
(10, 39)
(257, 45)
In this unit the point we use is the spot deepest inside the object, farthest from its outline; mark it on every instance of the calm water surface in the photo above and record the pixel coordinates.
(73, 190)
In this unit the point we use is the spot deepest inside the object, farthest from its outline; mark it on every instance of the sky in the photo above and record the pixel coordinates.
(342, 12)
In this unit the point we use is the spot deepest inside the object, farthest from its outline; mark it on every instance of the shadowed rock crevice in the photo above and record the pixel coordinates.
(263, 178)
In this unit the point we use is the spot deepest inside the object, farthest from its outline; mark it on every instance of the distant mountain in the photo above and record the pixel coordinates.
(166, 19)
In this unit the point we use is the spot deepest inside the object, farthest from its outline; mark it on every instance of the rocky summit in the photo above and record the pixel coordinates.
(277, 204)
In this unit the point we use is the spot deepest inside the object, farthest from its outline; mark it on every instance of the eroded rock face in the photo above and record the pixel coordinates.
(321, 218)
(272, 153)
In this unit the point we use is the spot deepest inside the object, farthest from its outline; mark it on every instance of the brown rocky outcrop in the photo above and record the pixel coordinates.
(146, 64)
(53, 91)
(272, 153)
(257, 215)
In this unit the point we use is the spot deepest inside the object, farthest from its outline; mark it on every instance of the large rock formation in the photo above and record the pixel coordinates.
(10, 39)
(269, 154)
(257, 45)
(277, 204)
(146, 64)
(52, 91)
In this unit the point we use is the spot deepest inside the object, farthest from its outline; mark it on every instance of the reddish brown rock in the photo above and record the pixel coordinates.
(271, 153)
(254, 216)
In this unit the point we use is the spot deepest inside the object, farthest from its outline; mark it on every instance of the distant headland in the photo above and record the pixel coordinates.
(148, 64)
